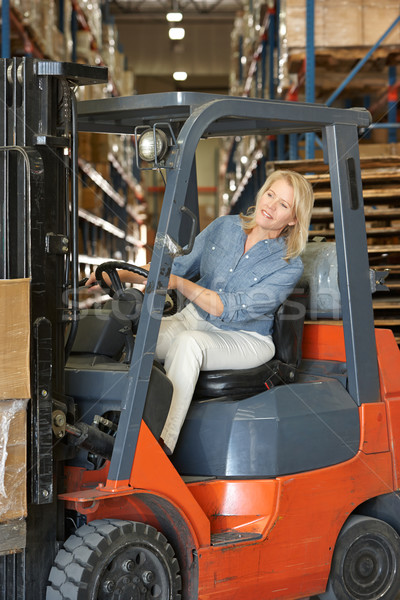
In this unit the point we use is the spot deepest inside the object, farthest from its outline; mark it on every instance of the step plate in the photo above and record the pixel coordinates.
(233, 537)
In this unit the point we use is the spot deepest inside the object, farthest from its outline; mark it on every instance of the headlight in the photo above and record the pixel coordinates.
(152, 145)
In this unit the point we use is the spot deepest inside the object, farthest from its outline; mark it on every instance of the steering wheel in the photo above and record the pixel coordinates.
(110, 268)
(117, 287)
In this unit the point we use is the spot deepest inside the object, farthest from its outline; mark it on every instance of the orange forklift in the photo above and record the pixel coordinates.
(284, 483)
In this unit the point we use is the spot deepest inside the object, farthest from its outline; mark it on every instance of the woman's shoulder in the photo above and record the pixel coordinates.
(296, 264)
(225, 222)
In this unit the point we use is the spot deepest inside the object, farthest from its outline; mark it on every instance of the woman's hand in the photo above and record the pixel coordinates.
(92, 281)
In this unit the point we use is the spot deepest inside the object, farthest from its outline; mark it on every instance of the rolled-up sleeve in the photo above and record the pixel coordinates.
(261, 299)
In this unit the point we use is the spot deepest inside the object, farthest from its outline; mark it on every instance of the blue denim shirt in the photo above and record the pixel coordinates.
(251, 285)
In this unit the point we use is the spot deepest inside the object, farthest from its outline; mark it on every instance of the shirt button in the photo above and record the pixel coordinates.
(230, 270)
(243, 306)
(247, 256)
(265, 241)
(255, 278)
(213, 248)
(220, 290)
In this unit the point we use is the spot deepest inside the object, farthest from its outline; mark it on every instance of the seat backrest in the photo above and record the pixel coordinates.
(321, 275)
(288, 327)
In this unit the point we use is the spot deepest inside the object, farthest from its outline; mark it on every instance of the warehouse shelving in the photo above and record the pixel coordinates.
(107, 234)
(304, 70)
(117, 229)
(31, 44)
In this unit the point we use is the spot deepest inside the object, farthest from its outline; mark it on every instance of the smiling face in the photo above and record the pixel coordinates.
(275, 209)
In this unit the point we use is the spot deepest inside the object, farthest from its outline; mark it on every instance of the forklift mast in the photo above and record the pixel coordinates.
(39, 237)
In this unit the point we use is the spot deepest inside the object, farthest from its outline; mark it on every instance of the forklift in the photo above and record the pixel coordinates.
(284, 482)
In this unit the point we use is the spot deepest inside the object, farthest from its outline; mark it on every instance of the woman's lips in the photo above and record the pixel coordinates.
(266, 215)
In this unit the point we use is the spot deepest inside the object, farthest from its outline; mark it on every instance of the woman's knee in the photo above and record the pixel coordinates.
(169, 330)
(186, 344)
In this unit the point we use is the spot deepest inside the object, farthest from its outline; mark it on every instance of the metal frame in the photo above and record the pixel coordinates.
(310, 71)
(35, 231)
(202, 116)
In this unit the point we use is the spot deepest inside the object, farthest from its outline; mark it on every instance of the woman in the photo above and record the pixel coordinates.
(245, 266)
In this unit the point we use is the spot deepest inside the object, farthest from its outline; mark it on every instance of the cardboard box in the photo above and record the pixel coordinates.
(341, 23)
(14, 394)
(100, 147)
(379, 150)
(378, 16)
(14, 339)
(344, 23)
(91, 199)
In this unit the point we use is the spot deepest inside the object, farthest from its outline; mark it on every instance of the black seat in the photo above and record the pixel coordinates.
(287, 337)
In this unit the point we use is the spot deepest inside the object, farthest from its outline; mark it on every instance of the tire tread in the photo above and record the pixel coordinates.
(70, 575)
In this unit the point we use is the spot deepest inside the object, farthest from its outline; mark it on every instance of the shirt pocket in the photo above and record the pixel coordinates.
(256, 275)
(214, 257)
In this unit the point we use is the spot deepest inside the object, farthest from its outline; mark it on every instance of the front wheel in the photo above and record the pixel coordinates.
(115, 560)
(366, 562)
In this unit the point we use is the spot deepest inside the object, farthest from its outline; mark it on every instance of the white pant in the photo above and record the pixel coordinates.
(188, 344)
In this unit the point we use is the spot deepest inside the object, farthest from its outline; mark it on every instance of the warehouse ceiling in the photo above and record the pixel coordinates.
(204, 53)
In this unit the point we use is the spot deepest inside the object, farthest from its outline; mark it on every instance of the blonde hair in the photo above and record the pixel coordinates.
(303, 199)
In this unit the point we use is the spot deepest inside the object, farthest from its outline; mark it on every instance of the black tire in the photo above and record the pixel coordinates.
(366, 562)
(111, 559)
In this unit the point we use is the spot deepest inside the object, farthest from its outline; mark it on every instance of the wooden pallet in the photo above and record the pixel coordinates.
(344, 58)
(318, 166)
(372, 232)
(381, 193)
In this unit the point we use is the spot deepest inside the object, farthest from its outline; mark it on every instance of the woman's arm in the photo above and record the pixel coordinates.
(206, 299)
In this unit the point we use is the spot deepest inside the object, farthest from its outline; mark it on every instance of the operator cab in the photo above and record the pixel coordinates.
(290, 411)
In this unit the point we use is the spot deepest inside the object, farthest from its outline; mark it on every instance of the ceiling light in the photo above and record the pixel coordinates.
(174, 16)
(176, 33)
(180, 75)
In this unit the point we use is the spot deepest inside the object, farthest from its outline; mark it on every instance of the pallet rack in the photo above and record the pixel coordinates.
(114, 228)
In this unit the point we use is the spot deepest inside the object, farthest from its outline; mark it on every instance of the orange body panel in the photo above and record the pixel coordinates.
(389, 373)
(241, 505)
(298, 517)
(153, 472)
(323, 342)
(293, 560)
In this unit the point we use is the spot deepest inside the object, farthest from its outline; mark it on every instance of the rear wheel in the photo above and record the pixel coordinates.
(115, 560)
(366, 562)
